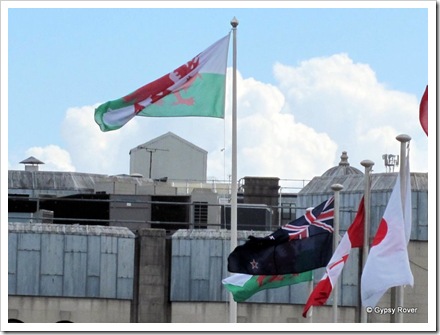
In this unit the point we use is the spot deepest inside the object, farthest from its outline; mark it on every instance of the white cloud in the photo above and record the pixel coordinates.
(275, 144)
(53, 157)
(345, 100)
(94, 151)
(294, 130)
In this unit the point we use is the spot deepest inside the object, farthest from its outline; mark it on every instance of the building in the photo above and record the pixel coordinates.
(169, 242)
(156, 159)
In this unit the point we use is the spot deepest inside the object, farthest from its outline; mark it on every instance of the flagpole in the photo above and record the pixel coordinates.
(403, 139)
(234, 24)
(310, 292)
(368, 165)
(336, 188)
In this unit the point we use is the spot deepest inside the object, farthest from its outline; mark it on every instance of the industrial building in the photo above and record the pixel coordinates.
(149, 247)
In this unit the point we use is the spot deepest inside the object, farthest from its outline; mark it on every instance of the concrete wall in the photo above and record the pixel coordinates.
(208, 312)
(152, 280)
(55, 309)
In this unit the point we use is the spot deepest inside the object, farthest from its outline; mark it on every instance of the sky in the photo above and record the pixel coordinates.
(312, 82)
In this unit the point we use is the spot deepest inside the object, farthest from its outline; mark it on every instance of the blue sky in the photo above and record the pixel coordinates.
(313, 82)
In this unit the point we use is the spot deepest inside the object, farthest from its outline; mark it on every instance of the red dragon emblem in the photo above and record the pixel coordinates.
(163, 86)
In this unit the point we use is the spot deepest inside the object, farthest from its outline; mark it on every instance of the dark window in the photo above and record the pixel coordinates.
(288, 212)
(200, 214)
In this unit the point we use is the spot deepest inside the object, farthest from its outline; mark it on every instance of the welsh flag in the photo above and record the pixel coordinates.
(197, 88)
(243, 286)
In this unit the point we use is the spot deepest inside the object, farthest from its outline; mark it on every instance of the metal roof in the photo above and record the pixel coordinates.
(355, 183)
(31, 160)
(343, 168)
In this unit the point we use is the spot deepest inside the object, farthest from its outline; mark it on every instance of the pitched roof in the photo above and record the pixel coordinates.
(31, 160)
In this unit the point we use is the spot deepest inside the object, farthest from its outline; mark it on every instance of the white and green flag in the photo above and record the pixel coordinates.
(243, 286)
(197, 88)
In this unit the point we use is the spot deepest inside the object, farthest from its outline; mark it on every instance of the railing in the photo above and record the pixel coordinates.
(185, 186)
(217, 214)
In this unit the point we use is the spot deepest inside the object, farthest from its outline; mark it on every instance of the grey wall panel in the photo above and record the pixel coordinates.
(279, 295)
(180, 278)
(108, 276)
(29, 241)
(299, 293)
(216, 248)
(12, 284)
(109, 244)
(51, 285)
(94, 255)
(75, 243)
(181, 247)
(124, 288)
(12, 263)
(52, 254)
(75, 274)
(199, 289)
(125, 258)
(215, 289)
(199, 259)
(12, 253)
(258, 297)
(28, 270)
(92, 289)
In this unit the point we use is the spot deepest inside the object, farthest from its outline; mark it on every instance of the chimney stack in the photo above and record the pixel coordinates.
(31, 164)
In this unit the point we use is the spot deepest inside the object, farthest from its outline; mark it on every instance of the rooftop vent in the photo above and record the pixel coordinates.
(31, 163)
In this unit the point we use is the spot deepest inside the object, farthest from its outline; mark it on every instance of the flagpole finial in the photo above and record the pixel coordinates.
(367, 163)
(234, 22)
(403, 138)
(337, 187)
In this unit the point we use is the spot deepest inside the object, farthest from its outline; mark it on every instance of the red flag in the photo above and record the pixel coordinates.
(423, 113)
(388, 262)
(353, 238)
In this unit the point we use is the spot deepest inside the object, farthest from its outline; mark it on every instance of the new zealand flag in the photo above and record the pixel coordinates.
(302, 245)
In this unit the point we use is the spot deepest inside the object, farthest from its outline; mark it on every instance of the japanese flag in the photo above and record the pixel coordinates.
(388, 263)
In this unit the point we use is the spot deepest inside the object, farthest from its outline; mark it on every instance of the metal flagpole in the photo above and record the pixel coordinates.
(403, 139)
(366, 246)
(234, 24)
(310, 292)
(336, 188)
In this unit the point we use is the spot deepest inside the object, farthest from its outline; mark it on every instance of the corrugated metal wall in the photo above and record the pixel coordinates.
(199, 263)
(70, 261)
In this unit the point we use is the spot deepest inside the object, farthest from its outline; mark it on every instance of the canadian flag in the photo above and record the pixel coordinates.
(387, 264)
(353, 238)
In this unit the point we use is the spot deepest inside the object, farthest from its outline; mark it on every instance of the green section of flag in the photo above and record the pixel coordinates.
(204, 97)
(243, 290)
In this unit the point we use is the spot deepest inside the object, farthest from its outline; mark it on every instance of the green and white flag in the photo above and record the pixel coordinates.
(197, 88)
(243, 286)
